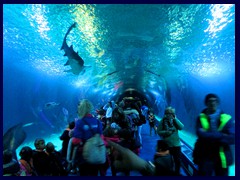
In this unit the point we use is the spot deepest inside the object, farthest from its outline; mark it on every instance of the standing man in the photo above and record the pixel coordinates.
(109, 107)
(215, 131)
(168, 130)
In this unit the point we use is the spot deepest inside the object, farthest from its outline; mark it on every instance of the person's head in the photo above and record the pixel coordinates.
(112, 104)
(84, 107)
(162, 146)
(7, 156)
(212, 101)
(118, 114)
(101, 112)
(121, 104)
(50, 147)
(26, 153)
(39, 144)
(151, 115)
(144, 110)
(71, 125)
(169, 112)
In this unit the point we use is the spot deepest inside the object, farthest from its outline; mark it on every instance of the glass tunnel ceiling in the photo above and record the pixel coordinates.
(127, 46)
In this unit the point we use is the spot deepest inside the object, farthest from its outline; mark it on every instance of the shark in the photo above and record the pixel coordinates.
(74, 60)
(50, 105)
(14, 137)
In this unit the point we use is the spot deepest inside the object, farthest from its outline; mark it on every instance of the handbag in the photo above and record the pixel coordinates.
(94, 150)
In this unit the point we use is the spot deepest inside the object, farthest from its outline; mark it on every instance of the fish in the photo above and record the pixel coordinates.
(45, 119)
(66, 115)
(65, 111)
(168, 91)
(28, 124)
(50, 105)
(74, 60)
(13, 138)
(152, 73)
(112, 73)
(118, 85)
(103, 78)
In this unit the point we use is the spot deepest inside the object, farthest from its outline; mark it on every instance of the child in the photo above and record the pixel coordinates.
(40, 158)
(163, 160)
(26, 162)
(152, 123)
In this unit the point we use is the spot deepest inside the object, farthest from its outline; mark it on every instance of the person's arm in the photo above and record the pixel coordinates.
(205, 134)
(64, 135)
(161, 132)
(178, 124)
(228, 133)
(105, 107)
(126, 160)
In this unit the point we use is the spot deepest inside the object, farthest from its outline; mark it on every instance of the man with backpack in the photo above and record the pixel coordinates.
(133, 115)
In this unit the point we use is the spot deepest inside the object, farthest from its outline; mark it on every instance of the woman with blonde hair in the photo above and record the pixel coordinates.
(86, 126)
(168, 130)
(84, 107)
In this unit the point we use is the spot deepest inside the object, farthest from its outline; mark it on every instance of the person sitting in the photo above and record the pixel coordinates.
(163, 160)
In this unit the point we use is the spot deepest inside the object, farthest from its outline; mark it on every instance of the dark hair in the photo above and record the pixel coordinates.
(50, 147)
(161, 144)
(26, 153)
(37, 142)
(101, 112)
(120, 112)
(208, 96)
(71, 125)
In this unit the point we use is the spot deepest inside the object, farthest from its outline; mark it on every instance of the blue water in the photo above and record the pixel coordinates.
(175, 54)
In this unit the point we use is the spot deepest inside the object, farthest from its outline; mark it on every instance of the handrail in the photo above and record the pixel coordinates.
(188, 165)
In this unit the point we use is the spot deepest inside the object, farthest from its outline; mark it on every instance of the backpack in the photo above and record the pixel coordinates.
(94, 150)
(136, 120)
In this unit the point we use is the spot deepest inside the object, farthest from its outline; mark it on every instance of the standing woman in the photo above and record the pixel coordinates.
(26, 162)
(86, 126)
(168, 130)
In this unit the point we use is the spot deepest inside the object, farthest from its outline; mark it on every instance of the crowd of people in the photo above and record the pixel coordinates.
(119, 128)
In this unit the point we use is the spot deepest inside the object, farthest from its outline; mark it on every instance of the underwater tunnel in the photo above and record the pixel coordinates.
(54, 55)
